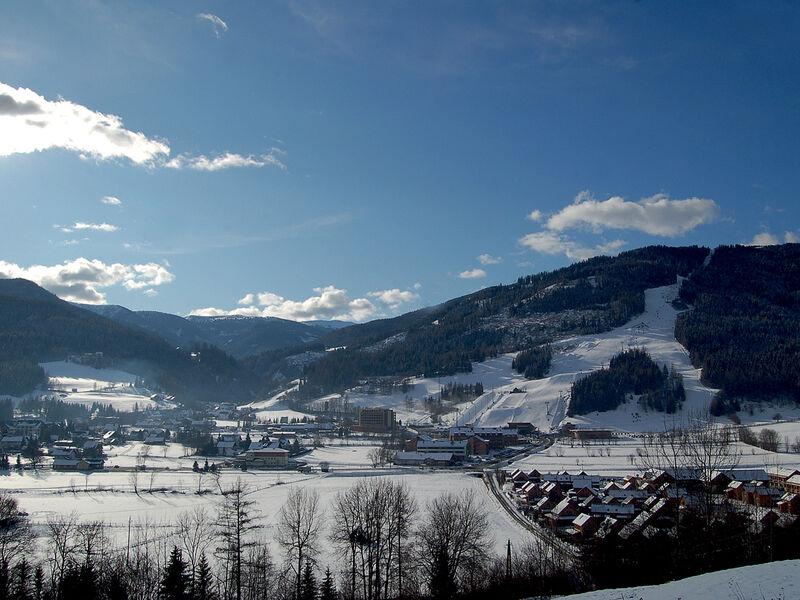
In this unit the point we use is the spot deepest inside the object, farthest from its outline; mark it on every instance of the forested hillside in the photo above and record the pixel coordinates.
(629, 372)
(36, 326)
(587, 297)
(236, 335)
(745, 327)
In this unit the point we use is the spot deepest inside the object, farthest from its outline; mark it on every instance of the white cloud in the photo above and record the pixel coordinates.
(31, 124)
(112, 200)
(488, 259)
(330, 303)
(247, 300)
(535, 216)
(656, 215)
(547, 242)
(765, 238)
(417, 286)
(472, 274)
(224, 161)
(78, 280)
(81, 226)
(394, 297)
(218, 23)
(269, 299)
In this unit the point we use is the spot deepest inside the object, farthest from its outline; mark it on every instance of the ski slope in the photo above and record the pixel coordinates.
(544, 401)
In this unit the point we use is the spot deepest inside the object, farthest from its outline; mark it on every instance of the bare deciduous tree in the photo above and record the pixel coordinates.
(194, 535)
(16, 538)
(299, 523)
(453, 537)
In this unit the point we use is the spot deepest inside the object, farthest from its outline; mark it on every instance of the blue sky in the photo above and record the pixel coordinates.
(357, 160)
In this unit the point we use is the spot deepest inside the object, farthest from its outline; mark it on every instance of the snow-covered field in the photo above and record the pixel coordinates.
(109, 496)
(618, 458)
(106, 386)
(768, 581)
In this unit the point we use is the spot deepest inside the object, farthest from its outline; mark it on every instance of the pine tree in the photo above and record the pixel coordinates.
(203, 581)
(308, 587)
(175, 584)
(23, 569)
(38, 583)
(328, 589)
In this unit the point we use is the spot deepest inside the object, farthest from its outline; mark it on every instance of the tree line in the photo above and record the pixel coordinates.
(386, 546)
(629, 372)
(745, 323)
(534, 362)
(445, 340)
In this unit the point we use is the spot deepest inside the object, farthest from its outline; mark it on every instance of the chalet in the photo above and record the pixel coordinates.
(543, 506)
(779, 475)
(534, 475)
(531, 492)
(227, 449)
(763, 496)
(435, 459)
(495, 437)
(582, 480)
(524, 428)
(720, 479)
(586, 525)
(12, 443)
(613, 507)
(564, 512)
(28, 428)
(478, 446)
(77, 464)
(411, 445)
(519, 477)
(93, 449)
(582, 493)
(789, 504)
(736, 490)
(156, 437)
(267, 457)
(552, 490)
(792, 484)
(592, 434)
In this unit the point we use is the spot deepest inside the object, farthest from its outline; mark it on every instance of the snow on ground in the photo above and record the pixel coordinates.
(106, 386)
(768, 581)
(409, 407)
(784, 429)
(67, 375)
(274, 408)
(109, 496)
(168, 456)
(124, 399)
(618, 458)
(543, 402)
